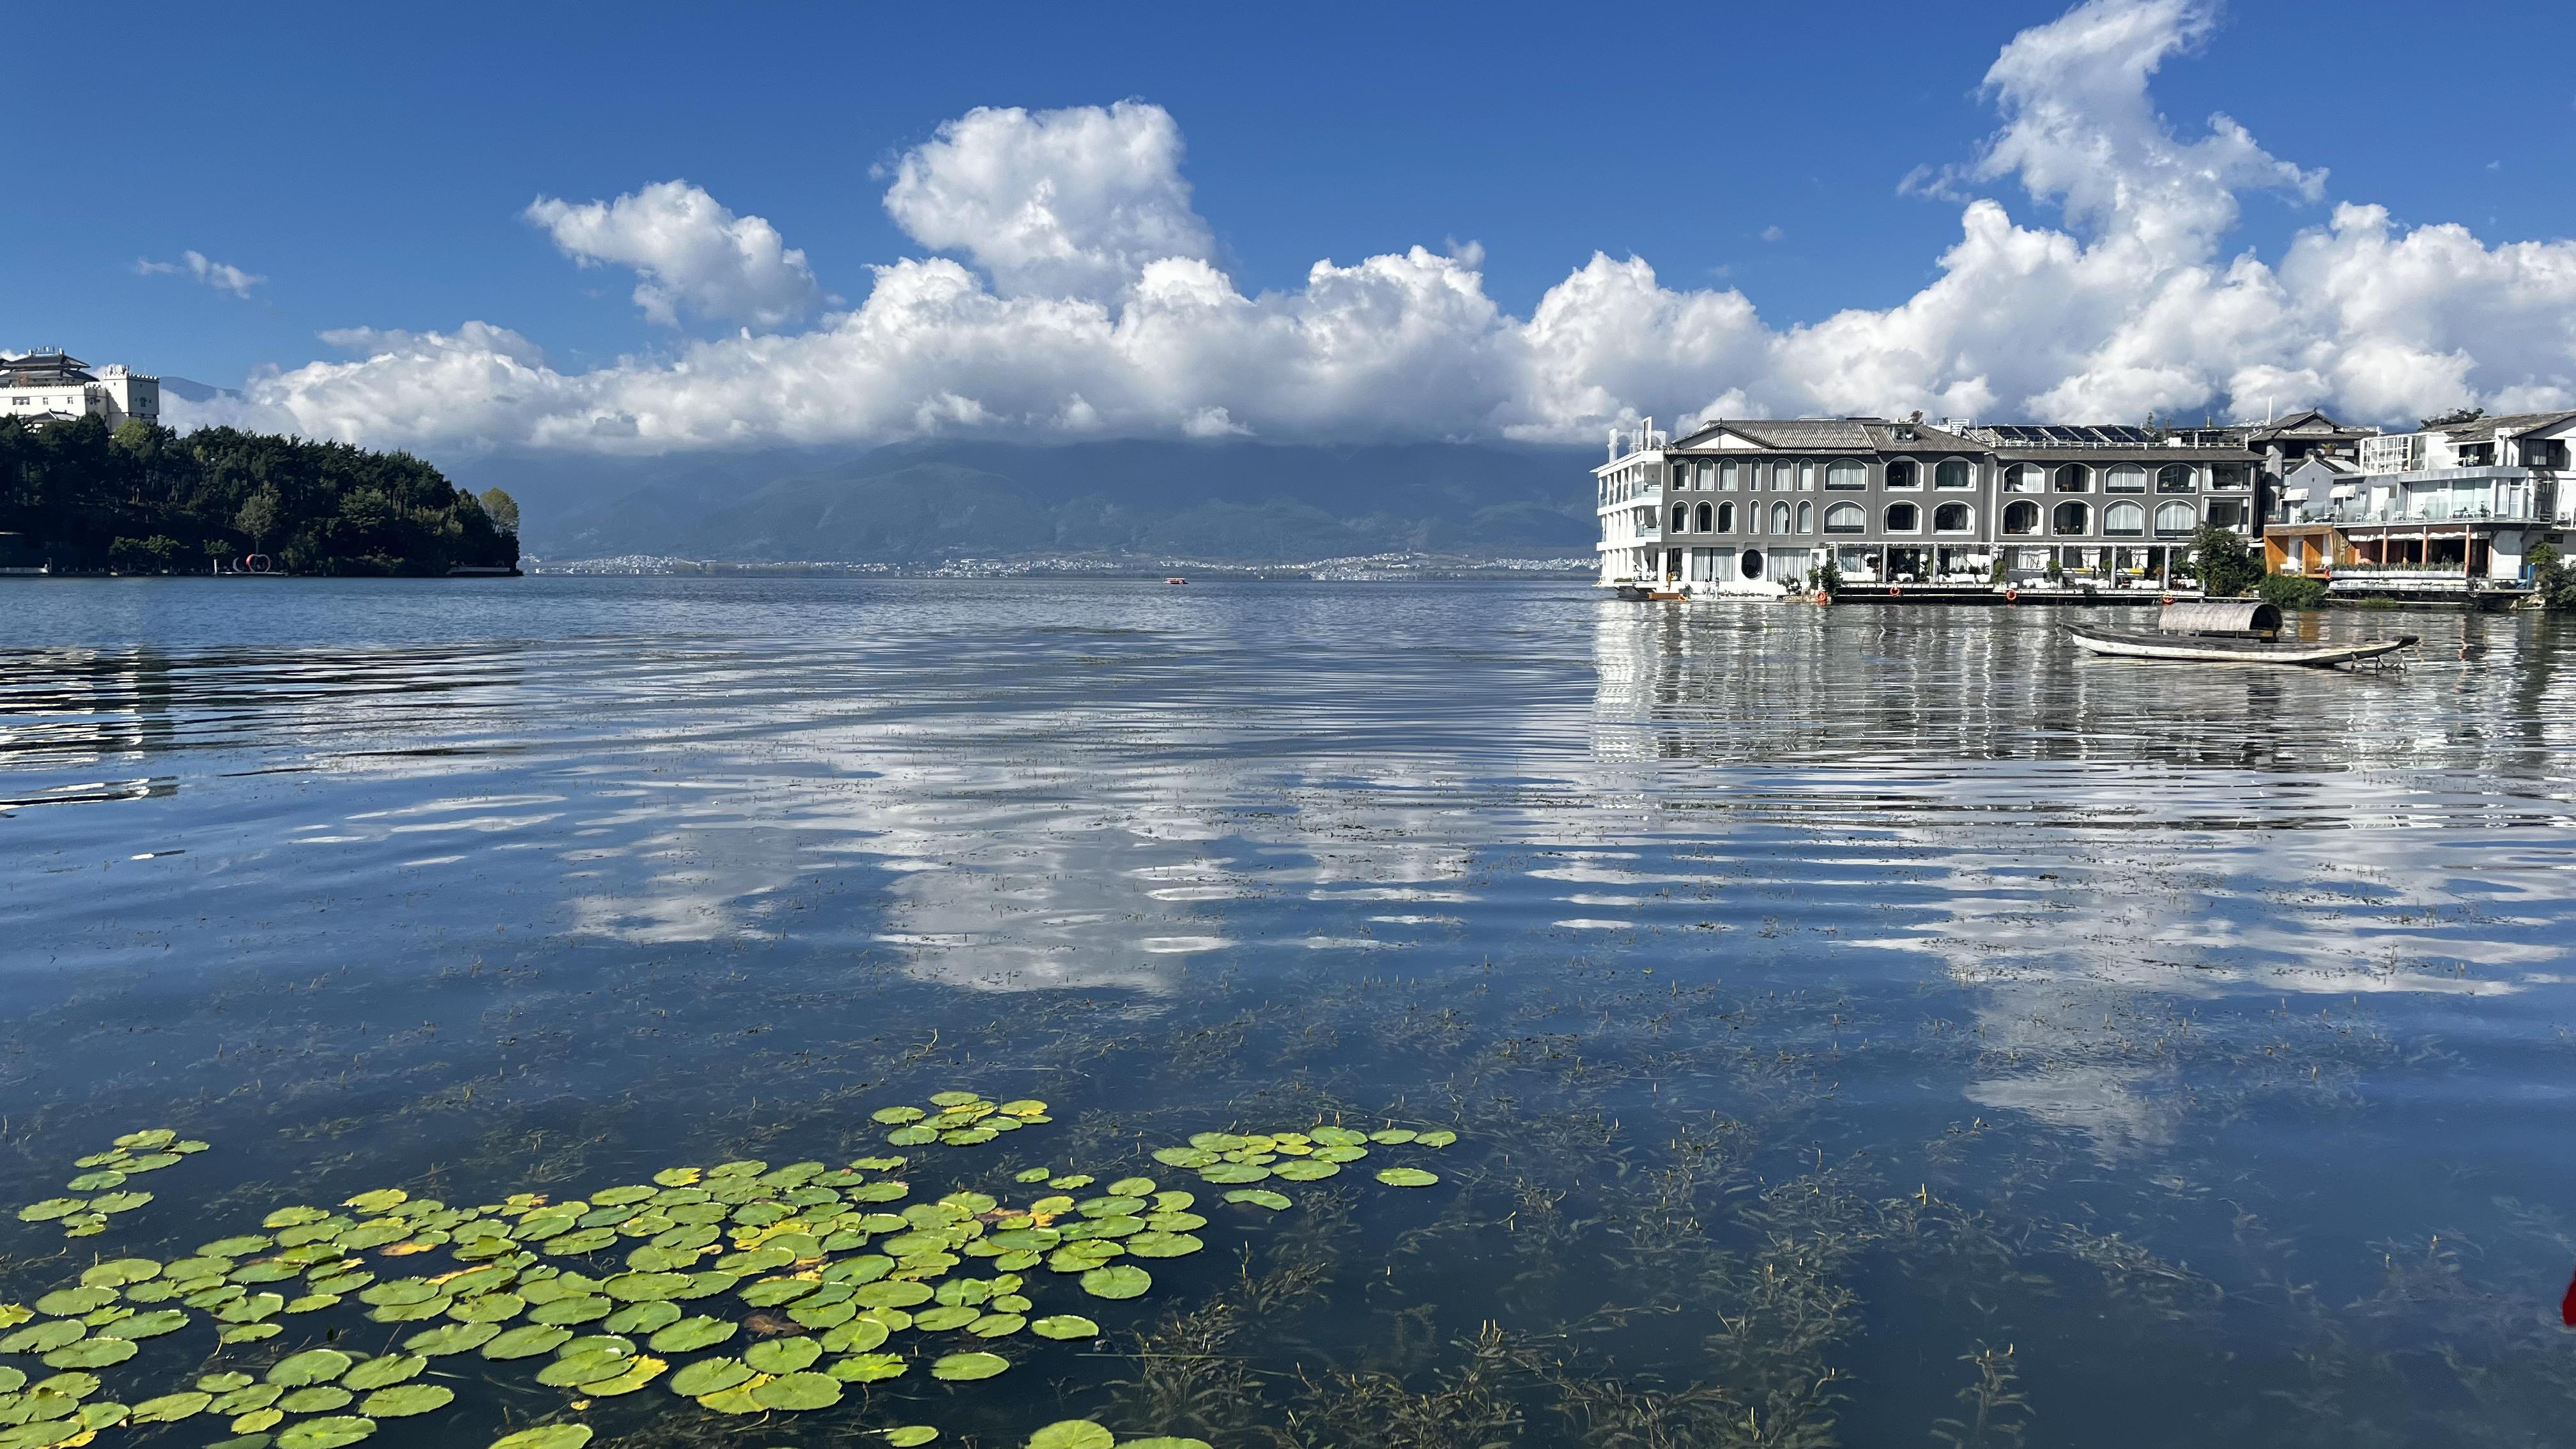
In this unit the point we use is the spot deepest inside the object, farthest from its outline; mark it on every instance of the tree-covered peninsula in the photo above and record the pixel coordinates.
(144, 499)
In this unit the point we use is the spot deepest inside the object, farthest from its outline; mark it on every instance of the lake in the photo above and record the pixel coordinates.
(1858, 1026)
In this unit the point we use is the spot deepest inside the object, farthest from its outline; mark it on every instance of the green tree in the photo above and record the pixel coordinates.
(2551, 579)
(502, 509)
(2224, 562)
(258, 517)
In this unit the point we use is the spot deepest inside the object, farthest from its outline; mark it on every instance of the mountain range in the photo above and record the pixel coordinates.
(938, 502)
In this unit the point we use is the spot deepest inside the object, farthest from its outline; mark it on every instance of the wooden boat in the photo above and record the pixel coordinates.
(1176, 579)
(2227, 631)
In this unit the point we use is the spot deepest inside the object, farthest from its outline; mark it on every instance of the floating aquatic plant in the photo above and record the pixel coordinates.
(831, 1264)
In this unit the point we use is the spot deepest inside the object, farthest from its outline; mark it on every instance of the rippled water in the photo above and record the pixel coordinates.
(1826, 999)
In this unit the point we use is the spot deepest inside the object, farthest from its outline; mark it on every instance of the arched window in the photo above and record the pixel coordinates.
(1806, 516)
(1707, 518)
(1807, 476)
(2022, 517)
(1845, 518)
(1847, 475)
(2173, 478)
(2123, 520)
(1952, 518)
(2072, 520)
(2124, 478)
(1726, 518)
(1726, 472)
(2025, 478)
(1780, 475)
(1681, 517)
(2174, 520)
(1903, 518)
(1753, 516)
(2074, 478)
(1779, 518)
(1954, 473)
(1900, 474)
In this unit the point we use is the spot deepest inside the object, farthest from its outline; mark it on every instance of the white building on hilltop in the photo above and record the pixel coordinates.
(41, 388)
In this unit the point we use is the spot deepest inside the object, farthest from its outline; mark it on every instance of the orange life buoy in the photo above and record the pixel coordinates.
(2012, 596)
(2166, 600)
(1896, 591)
(1823, 598)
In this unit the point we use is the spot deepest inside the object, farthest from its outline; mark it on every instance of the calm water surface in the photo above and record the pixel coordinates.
(1862, 1026)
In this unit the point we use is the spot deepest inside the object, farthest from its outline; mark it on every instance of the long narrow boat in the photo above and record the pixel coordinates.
(2227, 632)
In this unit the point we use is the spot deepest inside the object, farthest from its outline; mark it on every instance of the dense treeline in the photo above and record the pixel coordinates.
(147, 500)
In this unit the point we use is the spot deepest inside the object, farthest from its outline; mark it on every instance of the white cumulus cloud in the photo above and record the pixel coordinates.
(1072, 202)
(221, 276)
(690, 251)
(1080, 296)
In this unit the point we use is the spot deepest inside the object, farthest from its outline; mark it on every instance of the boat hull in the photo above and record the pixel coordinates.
(2200, 649)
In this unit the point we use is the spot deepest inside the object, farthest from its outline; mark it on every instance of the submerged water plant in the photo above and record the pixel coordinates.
(822, 1267)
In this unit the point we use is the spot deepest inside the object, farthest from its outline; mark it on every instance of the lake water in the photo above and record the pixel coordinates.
(1861, 1026)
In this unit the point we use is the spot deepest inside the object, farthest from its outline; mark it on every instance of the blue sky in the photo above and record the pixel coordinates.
(371, 166)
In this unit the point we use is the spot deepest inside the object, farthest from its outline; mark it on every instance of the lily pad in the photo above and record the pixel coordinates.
(385, 1372)
(911, 1436)
(1304, 1169)
(313, 1366)
(170, 1408)
(1260, 1197)
(72, 1302)
(572, 1310)
(997, 1325)
(330, 1433)
(405, 1400)
(691, 1334)
(452, 1338)
(1229, 1172)
(642, 1318)
(1160, 1244)
(546, 1436)
(1122, 1280)
(799, 1391)
(527, 1341)
(320, 1399)
(52, 1209)
(645, 1287)
(44, 1337)
(147, 1325)
(891, 1293)
(1065, 1326)
(91, 1353)
(895, 1116)
(1406, 1177)
(967, 1367)
(782, 1355)
(1392, 1137)
(117, 1272)
(944, 1318)
(640, 1371)
(710, 1375)
(1165, 1442)
(1441, 1138)
(582, 1368)
(1072, 1434)
(867, 1368)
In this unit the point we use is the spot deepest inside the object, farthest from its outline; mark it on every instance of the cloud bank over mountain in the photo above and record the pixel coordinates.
(1072, 293)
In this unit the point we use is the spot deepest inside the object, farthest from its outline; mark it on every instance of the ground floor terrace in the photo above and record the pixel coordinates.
(1756, 569)
(2489, 552)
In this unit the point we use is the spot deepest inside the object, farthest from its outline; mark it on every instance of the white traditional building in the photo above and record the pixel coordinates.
(2458, 504)
(56, 387)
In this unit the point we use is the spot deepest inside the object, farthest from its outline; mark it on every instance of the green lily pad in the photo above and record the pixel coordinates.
(404, 1400)
(1123, 1280)
(320, 1399)
(967, 1367)
(330, 1433)
(1340, 1154)
(911, 1436)
(117, 1272)
(383, 1199)
(799, 1391)
(248, 1333)
(293, 1217)
(546, 1436)
(1228, 1172)
(224, 1383)
(895, 1116)
(147, 1325)
(640, 1371)
(891, 1293)
(170, 1408)
(488, 1308)
(1159, 1244)
(46, 1337)
(1259, 1197)
(911, 1136)
(782, 1355)
(944, 1318)
(1065, 1326)
(1392, 1137)
(645, 1287)
(399, 1291)
(313, 1366)
(52, 1209)
(1304, 1169)
(384, 1372)
(96, 1181)
(1072, 1434)
(72, 1302)
(691, 1334)
(1441, 1138)
(1406, 1177)
(91, 1353)
(527, 1341)
(997, 1325)
(572, 1310)
(772, 1292)
(577, 1369)
(709, 1376)
(451, 1338)
(1165, 1442)
(650, 1317)
(585, 1240)
(867, 1368)
(1338, 1136)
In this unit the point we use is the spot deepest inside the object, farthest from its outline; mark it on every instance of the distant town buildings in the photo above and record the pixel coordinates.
(43, 388)
(1765, 506)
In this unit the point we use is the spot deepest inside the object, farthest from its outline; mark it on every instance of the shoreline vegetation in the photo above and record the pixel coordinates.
(78, 499)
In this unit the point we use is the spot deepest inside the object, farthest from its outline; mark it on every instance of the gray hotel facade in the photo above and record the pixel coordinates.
(1760, 506)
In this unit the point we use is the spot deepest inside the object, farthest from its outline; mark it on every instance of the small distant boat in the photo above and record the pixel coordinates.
(1176, 579)
(2227, 631)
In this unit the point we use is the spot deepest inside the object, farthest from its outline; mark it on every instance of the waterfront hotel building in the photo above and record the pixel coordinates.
(1761, 506)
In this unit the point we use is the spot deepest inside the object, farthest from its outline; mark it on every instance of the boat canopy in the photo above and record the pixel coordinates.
(2240, 617)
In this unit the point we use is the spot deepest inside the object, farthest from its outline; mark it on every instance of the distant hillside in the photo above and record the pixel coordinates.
(933, 502)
